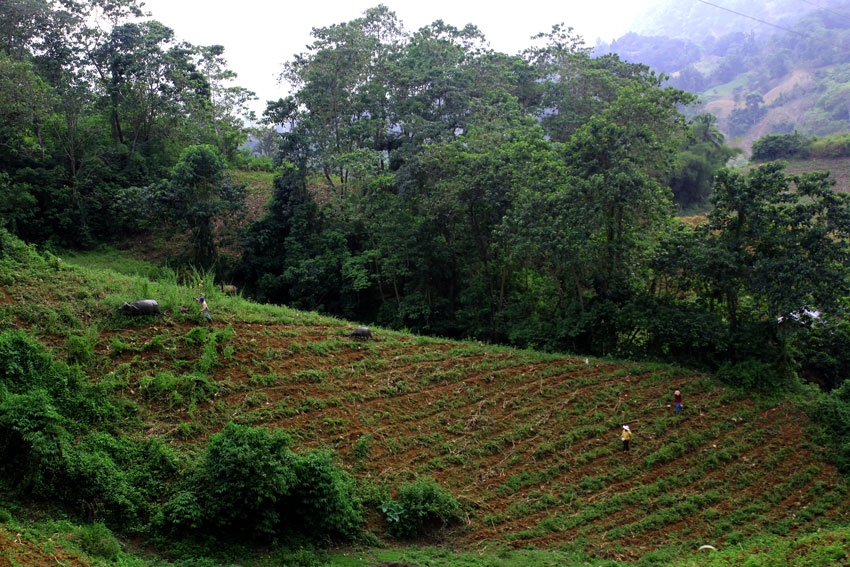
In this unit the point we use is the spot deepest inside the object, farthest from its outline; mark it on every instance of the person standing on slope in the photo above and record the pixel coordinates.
(626, 436)
(205, 311)
(677, 399)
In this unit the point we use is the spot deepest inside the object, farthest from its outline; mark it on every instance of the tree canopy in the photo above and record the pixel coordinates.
(425, 181)
(94, 99)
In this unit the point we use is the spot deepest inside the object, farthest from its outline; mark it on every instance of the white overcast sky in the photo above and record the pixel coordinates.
(259, 36)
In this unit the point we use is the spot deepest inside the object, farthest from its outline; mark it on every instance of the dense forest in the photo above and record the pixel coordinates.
(94, 101)
(424, 181)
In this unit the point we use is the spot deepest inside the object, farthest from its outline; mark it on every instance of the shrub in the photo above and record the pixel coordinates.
(780, 146)
(118, 479)
(32, 435)
(81, 347)
(822, 353)
(751, 374)
(26, 365)
(16, 250)
(323, 500)
(362, 447)
(832, 146)
(47, 448)
(668, 330)
(197, 336)
(97, 540)
(422, 507)
(244, 474)
(249, 483)
(193, 387)
(832, 412)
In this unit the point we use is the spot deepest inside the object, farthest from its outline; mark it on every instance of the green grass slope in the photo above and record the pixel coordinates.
(527, 442)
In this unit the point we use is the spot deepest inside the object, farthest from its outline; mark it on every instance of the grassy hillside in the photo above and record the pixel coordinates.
(527, 442)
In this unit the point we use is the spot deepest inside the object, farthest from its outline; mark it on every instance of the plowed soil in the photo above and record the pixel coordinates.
(16, 549)
(529, 442)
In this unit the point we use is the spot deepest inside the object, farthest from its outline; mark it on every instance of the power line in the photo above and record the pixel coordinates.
(795, 32)
(839, 14)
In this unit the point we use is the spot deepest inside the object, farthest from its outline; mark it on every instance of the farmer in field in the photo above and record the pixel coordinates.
(626, 436)
(205, 311)
(677, 399)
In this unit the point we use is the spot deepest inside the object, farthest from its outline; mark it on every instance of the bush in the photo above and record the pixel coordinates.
(832, 146)
(49, 451)
(822, 353)
(25, 365)
(97, 540)
(669, 330)
(780, 146)
(117, 479)
(323, 498)
(243, 475)
(250, 484)
(751, 374)
(14, 249)
(81, 347)
(422, 507)
(832, 412)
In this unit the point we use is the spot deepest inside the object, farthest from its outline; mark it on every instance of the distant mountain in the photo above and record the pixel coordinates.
(696, 20)
(757, 79)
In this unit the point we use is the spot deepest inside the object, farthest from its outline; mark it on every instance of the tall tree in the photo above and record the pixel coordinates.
(574, 85)
(785, 245)
(198, 195)
(340, 98)
(225, 104)
(702, 153)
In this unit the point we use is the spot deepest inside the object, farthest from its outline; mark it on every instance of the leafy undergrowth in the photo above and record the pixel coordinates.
(527, 442)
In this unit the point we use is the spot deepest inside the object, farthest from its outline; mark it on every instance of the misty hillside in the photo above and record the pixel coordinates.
(697, 20)
(757, 79)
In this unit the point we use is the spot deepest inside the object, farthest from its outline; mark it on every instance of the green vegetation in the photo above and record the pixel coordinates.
(790, 146)
(421, 182)
(702, 153)
(249, 486)
(781, 146)
(197, 193)
(419, 440)
(55, 441)
(421, 506)
(97, 103)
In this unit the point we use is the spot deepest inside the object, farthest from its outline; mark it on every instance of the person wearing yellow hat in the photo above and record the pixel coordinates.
(626, 436)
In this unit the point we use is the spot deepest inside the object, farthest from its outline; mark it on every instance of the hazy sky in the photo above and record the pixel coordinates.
(259, 36)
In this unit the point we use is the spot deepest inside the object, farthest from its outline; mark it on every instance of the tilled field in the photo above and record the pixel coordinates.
(530, 442)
